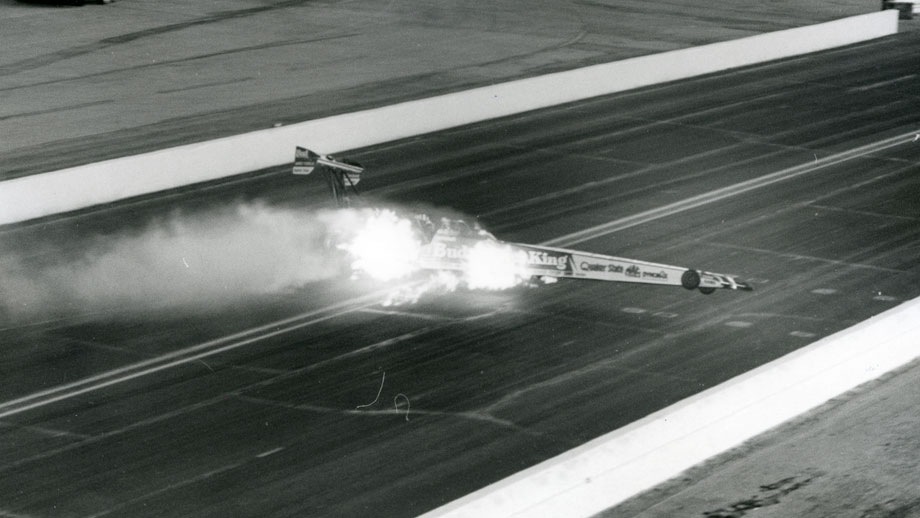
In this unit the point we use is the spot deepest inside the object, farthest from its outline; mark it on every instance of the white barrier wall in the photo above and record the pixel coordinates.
(93, 184)
(600, 474)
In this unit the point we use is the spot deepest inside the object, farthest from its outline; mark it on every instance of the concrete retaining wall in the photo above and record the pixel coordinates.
(93, 184)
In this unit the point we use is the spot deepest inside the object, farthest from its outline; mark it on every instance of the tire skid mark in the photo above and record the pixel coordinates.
(400, 412)
(5, 69)
(55, 110)
(48, 59)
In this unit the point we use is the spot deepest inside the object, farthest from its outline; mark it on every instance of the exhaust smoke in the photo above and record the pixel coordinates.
(205, 261)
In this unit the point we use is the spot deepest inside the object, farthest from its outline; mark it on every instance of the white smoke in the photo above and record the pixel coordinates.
(203, 261)
(187, 260)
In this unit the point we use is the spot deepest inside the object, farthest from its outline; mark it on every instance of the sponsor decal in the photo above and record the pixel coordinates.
(453, 252)
(596, 267)
(541, 258)
(632, 271)
(442, 251)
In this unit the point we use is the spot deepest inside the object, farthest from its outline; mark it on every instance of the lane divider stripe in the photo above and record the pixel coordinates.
(729, 191)
(183, 356)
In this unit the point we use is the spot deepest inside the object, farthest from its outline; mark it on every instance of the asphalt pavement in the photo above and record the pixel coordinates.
(314, 400)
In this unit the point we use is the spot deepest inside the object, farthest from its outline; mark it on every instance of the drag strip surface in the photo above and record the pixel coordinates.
(392, 411)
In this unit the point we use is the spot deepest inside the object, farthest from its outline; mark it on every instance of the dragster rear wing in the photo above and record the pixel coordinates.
(305, 161)
(341, 175)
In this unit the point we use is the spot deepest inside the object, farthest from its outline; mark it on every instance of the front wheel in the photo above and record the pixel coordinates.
(690, 279)
(707, 291)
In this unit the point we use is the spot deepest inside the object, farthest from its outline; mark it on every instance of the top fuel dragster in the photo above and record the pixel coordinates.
(453, 245)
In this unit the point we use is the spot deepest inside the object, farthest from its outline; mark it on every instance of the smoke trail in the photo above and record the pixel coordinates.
(203, 260)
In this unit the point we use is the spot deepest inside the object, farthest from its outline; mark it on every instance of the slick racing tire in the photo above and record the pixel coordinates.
(690, 279)
(707, 291)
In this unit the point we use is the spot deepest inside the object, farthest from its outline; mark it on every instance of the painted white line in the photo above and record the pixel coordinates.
(39, 400)
(824, 291)
(269, 452)
(171, 487)
(183, 356)
(882, 83)
(46, 431)
(635, 311)
(729, 191)
(407, 314)
(802, 334)
(738, 324)
(216, 347)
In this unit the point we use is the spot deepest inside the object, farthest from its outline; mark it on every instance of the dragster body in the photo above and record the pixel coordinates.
(454, 242)
(453, 245)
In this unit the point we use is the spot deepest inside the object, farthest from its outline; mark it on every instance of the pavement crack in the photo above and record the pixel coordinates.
(400, 411)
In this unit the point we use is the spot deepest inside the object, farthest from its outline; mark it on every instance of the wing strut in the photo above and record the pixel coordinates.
(342, 176)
